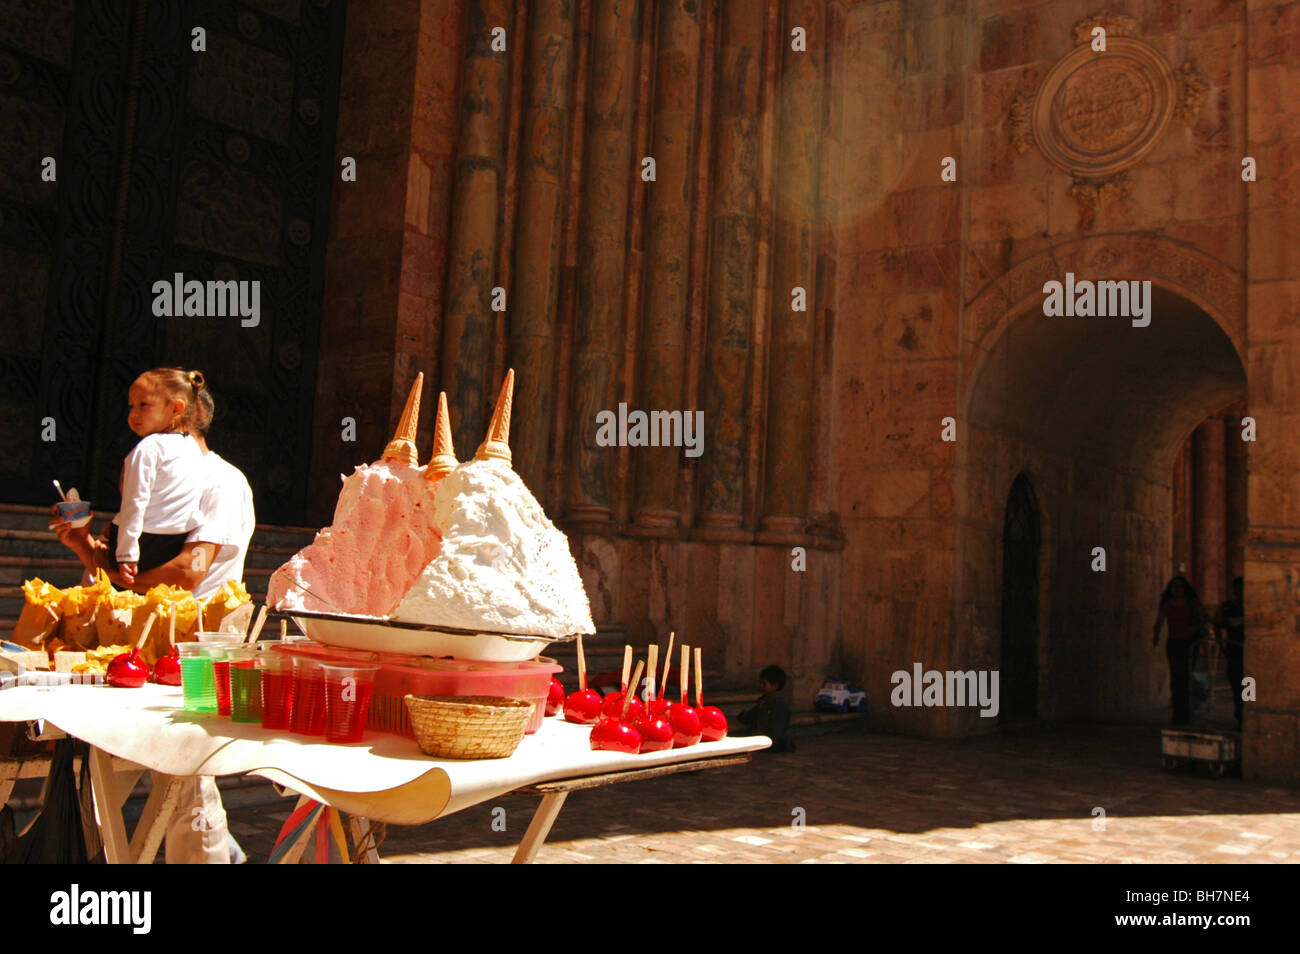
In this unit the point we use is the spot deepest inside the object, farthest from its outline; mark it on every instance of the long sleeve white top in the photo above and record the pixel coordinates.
(162, 485)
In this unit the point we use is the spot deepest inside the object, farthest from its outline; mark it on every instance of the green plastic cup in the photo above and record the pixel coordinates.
(245, 684)
(198, 681)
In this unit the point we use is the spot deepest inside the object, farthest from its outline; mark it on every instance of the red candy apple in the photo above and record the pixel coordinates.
(656, 734)
(128, 671)
(659, 708)
(167, 670)
(554, 698)
(686, 725)
(613, 706)
(582, 707)
(713, 724)
(614, 735)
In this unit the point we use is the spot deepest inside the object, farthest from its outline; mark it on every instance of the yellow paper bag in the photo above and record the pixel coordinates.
(78, 608)
(165, 599)
(40, 617)
(228, 609)
(115, 616)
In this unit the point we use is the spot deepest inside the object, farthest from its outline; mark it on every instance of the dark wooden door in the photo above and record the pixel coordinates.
(214, 164)
(1021, 538)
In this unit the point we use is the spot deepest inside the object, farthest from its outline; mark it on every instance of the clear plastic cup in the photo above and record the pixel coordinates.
(245, 684)
(198, 681)
(308, 717)
(224, 639)
(221, 665)
(277, 690)
(347, 701)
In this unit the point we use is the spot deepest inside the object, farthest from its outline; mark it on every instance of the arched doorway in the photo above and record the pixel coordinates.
(1021, 538)
(1096, 410)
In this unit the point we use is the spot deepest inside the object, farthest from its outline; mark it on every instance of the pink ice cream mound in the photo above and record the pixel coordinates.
(382, 536)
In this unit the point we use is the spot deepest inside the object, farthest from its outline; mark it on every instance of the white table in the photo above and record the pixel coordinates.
(385, 778)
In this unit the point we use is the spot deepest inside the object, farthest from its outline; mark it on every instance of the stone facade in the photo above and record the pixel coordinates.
(787, 176)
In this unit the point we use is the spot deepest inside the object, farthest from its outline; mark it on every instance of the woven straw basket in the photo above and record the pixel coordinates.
(468, 727)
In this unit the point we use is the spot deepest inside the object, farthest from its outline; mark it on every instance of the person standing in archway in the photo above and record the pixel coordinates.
(1182, 609)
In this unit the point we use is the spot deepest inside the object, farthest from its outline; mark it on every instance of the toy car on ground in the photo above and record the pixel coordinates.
(836, 695)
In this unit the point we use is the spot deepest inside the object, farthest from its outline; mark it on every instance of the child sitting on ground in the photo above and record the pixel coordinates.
(770, 715)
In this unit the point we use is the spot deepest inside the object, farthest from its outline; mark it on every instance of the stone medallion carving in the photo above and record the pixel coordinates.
(1096, 114)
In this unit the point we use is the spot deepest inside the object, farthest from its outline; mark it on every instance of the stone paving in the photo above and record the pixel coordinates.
(1021, 796)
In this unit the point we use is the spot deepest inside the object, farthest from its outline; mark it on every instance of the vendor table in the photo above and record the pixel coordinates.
(385, 778)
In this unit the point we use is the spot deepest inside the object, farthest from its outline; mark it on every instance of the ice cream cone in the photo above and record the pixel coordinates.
(444, 455)
(497, 443)
(402, 446)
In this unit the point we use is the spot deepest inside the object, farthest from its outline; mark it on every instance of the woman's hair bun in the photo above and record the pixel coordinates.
(195, 379)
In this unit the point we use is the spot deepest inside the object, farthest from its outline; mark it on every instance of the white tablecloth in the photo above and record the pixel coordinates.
(385, 778)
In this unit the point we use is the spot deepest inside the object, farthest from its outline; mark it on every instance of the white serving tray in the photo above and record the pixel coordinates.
(419, 639)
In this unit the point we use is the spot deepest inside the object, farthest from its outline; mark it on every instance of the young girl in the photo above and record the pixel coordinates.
(162, 478)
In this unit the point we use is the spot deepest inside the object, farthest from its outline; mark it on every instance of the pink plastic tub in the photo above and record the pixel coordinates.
(425, 676)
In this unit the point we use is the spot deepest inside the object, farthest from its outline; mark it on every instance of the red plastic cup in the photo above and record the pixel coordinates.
(277, 690)
(308, 716)
(221, 666)
(347, 701)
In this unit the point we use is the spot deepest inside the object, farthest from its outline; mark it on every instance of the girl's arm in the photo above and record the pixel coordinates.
(137, 484)
(1160, 621)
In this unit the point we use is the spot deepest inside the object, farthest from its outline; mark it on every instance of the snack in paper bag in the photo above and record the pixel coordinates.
(40, 617)
(115, 616)
(92, 660)
(78, 608)
(164, 598)
(229, 609)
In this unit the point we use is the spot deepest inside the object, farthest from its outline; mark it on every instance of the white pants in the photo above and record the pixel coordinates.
(197, 834)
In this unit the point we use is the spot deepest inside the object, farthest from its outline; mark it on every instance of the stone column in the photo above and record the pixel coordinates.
(1271, 739)
(1182, 509)
(734, 311)
(791, 380)
(537, 239)
(472, 272)
(386, 257)
(662, 343)
(573, 209)
(1211, 511)
(1238, 522)
(602, 252)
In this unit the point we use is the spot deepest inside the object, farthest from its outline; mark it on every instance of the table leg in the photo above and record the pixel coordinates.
(126, 782)
(152, 826)
(108, 811)
(539, 828)
(363, 839)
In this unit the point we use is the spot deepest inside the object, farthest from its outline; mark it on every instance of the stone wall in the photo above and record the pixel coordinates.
(784, 175)
(506, 217)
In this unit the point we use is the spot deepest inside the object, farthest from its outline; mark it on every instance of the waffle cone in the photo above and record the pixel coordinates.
(444, 454)
(497, 443)
(402, 446)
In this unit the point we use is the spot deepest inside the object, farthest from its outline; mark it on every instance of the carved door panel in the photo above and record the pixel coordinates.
(215, 164)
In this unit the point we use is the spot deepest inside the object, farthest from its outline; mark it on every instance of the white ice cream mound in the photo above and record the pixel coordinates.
(503, 566)
(384, 533)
